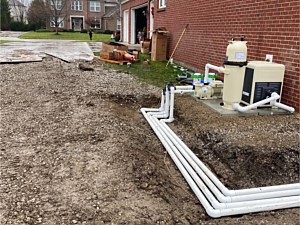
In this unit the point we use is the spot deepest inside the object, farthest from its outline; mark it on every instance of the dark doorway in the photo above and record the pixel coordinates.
(141, 23)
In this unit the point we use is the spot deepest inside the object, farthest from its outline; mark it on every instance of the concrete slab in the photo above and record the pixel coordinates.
(34, 50)
(95, 46)
(214, 104)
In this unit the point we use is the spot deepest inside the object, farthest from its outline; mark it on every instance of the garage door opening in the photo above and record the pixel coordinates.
(141, 24)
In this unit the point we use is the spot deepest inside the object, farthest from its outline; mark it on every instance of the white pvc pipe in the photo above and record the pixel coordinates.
(271, 100)
(224, 190)
(209, 66)
(171, 110)
(164, 113)
(240, 201)
(245, 201)
(217, 182)
(210, 210)
(183, 91)
(188, 87)
(221, 197)
(274, 97)
(285, 107)
(172, 96)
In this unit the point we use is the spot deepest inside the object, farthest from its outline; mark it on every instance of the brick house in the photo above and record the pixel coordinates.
(270, 27)
(83, 14)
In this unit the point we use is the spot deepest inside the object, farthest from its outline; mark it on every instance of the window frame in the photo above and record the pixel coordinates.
(93, 6)
(119, 24)
(61, 22)
(95, 27)
(162, 4)
(55, 4)
(77, 5)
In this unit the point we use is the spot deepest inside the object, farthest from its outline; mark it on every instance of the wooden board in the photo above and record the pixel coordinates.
(120, 62)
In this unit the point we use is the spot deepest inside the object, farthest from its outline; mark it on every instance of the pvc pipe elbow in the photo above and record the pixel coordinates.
(170, 120)
(214, 213)
(236, 106)
(285, 107)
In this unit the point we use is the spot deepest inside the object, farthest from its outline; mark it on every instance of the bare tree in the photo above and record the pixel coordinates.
(57, 10)
(37, 13)
(18, 10)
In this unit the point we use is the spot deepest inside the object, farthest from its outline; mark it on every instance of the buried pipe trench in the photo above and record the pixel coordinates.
(213, 195)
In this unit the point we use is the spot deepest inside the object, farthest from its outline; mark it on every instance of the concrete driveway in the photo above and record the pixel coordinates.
(31, 50)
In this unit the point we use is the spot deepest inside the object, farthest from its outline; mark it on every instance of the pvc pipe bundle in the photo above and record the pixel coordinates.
(272, 100)
(217, 200)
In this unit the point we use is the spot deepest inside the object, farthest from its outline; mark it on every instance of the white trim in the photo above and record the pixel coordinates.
(132, 27)
(124, 2)
(140, 6)
(125, 36)
(110, 4)
(163, 6)
(151, 25)
(133, 22)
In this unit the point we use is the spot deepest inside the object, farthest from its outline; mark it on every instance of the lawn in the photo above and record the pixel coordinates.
(66, 36)
(154, 73)
(2, 42)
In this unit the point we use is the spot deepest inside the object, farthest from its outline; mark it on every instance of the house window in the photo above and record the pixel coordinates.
(76, 5)
(95, 22)
(95, 6)
(56, 4)
(162, 3)
(118, 24)
(60, 22)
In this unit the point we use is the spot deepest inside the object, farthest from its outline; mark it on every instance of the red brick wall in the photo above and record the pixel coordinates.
(270, 26)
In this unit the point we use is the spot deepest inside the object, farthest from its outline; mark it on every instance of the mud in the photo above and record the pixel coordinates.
(75, 149)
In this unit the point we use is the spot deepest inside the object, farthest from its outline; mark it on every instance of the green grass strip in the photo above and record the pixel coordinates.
(76, 36)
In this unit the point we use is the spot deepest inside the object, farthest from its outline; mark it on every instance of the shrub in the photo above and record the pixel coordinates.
(108, 32)
(83, 31)
(43, 30)
(20, 26)
(98, 31)
(117, 38)
(4, 26)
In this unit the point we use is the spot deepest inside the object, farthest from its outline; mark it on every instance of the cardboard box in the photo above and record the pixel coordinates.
(118, 55)
(106, 55)
(110, 46)
(159, 46)
(145, 47)
(135, 54)
(145, 50)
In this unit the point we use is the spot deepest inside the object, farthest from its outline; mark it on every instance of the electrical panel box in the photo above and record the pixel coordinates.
(261, 80)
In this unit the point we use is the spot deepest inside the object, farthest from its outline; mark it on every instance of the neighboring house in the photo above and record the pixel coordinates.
(111, 18)
(18, 11)
(83, 14)
(270, 27)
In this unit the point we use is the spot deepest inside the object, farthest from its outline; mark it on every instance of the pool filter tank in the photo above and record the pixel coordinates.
(235, 62)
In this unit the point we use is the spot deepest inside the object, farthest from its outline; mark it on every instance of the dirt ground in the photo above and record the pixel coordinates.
(75, 149)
